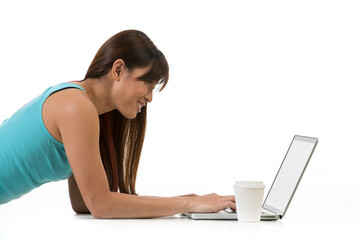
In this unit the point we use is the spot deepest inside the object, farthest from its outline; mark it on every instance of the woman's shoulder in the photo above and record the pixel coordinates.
(73, 101)
(66, 108)
(70, 104)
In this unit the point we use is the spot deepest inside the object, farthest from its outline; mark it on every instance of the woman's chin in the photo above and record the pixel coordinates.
(129, 115)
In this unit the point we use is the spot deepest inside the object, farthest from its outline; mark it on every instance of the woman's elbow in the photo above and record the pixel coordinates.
(99, 208)
(97, 215)
(79, 208)
(98, 212)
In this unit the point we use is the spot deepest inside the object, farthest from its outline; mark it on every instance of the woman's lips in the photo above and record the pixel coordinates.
(140, 105)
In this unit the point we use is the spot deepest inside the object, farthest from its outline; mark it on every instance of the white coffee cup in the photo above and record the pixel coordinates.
(249, 197)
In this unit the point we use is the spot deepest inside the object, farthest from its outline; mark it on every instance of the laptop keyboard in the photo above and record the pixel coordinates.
(229, 210)
(232, 211)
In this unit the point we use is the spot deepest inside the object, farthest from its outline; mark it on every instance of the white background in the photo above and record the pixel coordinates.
(245, 77)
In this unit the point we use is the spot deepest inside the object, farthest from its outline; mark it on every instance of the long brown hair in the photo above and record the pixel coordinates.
(121, 139)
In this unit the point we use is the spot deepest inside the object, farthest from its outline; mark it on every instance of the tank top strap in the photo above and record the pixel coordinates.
(59, 87)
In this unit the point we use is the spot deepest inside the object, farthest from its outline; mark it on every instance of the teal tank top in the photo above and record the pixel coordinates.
(29, 155)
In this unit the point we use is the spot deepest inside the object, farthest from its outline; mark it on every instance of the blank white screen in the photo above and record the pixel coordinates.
(289, 174)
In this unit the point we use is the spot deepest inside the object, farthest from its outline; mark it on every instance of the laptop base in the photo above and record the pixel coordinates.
(222, 215)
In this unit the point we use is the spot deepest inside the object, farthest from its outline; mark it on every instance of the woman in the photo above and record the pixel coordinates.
(57, 135)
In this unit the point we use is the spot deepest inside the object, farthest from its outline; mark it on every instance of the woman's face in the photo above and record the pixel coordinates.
(131, 94)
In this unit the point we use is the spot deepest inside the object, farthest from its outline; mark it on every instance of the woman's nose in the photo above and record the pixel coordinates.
(148, 96)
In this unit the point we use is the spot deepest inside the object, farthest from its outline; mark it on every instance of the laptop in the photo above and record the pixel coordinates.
(283, 187)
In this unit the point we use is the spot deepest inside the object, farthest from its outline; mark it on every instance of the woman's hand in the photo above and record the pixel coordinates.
(212, 203)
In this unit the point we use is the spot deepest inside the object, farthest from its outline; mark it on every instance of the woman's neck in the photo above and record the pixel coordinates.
(98, 90)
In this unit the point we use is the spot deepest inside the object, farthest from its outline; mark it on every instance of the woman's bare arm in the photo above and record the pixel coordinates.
(78, 123)
(76, 199)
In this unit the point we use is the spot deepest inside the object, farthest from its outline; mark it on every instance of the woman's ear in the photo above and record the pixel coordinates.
(117, 68)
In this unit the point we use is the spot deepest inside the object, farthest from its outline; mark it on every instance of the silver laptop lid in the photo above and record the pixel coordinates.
(289, 175)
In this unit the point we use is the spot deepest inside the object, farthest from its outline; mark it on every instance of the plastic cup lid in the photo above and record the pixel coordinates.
(252, 184)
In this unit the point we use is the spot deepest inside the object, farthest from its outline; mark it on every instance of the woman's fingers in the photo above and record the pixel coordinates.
(212, 203)
(230, 198)
(229, 204)
(233, 206)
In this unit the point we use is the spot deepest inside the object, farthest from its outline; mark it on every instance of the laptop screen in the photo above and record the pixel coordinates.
(289, 174)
